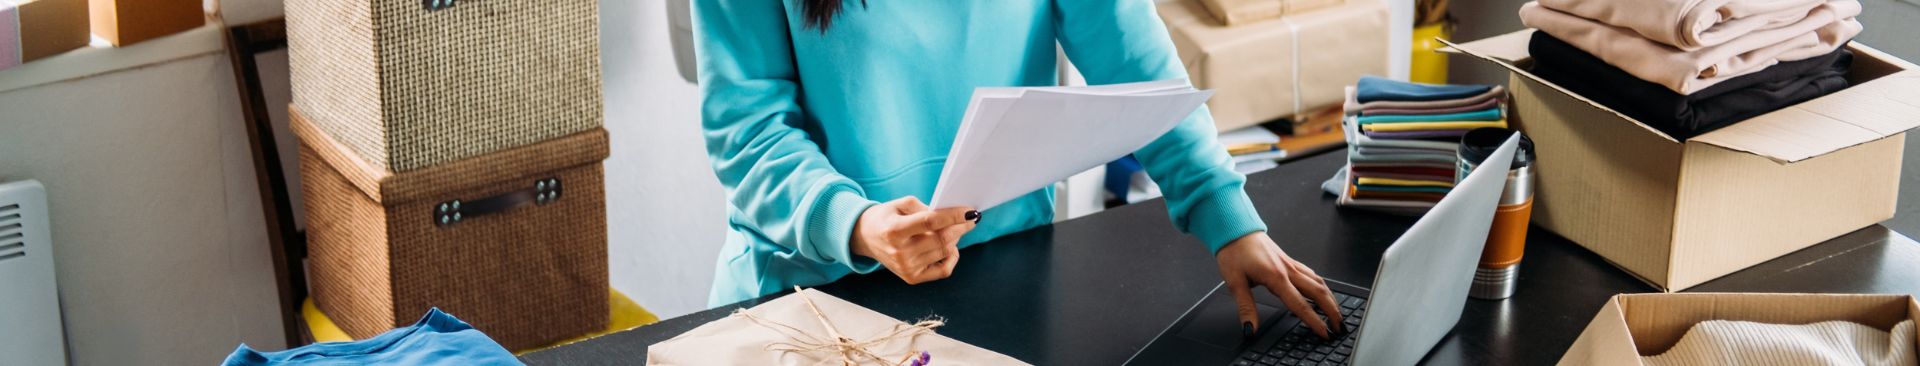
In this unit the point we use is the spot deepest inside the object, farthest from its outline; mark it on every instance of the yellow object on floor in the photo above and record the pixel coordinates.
(1429, 66)
(625, 314)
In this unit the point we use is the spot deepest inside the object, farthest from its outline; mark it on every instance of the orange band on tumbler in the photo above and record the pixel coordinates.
(1508, 238)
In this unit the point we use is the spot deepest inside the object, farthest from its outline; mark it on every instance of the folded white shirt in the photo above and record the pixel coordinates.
(1724, 342)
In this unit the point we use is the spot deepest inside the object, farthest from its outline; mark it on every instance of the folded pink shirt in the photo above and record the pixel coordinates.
(1689, 24)
(1824, 29)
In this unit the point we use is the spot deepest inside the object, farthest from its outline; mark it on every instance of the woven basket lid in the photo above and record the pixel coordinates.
(519, 163)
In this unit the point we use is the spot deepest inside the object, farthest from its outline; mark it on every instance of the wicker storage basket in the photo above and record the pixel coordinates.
(492, 239)
(408, 87)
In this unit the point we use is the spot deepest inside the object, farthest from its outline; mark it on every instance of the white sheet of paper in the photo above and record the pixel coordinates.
(1017, 140)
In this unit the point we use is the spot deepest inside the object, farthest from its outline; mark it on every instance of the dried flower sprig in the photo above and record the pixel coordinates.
(925, 359)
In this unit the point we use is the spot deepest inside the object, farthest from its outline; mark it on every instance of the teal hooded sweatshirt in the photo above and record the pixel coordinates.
(807, 128)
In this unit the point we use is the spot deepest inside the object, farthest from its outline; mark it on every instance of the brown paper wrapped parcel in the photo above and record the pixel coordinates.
(788, 331)
(1277, 68)
(1237, 12)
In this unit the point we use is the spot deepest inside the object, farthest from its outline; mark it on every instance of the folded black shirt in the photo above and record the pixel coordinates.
(1686, 116)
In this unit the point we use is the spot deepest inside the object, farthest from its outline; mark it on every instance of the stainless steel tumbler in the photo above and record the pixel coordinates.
(1507, 238)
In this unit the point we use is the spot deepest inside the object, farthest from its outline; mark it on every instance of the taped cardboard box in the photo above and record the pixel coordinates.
(1237, 12)
(1679, 213)
(35, 29)
(1631, 326)
(125, 22)
(1273, 69)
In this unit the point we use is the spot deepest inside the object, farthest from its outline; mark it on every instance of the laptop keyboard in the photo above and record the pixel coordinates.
(1299, 347)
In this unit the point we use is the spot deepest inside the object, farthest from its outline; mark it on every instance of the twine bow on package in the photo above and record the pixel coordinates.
(809, 327)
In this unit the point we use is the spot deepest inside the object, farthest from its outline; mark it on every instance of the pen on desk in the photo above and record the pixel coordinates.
(1243, 149)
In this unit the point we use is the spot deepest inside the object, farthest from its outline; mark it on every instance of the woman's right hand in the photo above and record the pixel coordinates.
(917, 243)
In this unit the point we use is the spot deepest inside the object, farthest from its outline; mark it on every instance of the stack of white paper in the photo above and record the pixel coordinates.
(1013, 141)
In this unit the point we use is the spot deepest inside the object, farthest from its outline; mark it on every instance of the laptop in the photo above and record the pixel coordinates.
(1417, 297)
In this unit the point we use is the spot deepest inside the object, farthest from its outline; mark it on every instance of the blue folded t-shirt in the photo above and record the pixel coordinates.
(1372, 88)
(437, 339)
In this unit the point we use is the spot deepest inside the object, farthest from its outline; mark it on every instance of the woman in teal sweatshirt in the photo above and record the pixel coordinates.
(815, 113)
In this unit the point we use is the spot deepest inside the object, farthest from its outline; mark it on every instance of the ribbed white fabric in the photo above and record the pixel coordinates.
(1722, 342)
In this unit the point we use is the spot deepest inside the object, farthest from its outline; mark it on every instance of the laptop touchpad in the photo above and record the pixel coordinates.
(1217, 322)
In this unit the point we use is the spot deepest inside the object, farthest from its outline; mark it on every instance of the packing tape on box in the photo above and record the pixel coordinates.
(1293, 31)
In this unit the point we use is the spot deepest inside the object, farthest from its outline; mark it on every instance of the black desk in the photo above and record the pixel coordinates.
(1094, 290)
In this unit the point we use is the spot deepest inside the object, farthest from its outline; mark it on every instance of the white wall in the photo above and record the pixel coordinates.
(666, 212)
(158, 241)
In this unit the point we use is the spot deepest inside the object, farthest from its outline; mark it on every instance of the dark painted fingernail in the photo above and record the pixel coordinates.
(973, 216)
(1246, 329)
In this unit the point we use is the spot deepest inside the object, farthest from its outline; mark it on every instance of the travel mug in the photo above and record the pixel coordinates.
(1507, 238)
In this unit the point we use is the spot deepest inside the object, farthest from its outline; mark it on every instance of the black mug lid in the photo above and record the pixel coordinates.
(1477, 144)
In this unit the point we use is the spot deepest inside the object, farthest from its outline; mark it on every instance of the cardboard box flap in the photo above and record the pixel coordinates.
(1510, 50)
(1606, 340)
(1859, 114)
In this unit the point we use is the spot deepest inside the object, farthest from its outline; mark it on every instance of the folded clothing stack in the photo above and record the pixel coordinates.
(1688, 67)
(437, 339)
(1402, 138)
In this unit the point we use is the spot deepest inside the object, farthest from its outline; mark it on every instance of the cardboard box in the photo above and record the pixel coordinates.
(1631, 326)
(125, 22)
(1680, 213)
(1237, 12)
(1273, 69)
(35, 29)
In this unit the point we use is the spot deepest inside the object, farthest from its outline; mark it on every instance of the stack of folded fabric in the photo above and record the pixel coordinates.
(1688, 67)
(1402, 138)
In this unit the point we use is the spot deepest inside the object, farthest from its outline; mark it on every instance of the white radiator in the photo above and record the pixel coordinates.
(30, 331)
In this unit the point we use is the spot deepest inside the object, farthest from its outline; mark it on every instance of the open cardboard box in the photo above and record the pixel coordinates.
(1631, 326)
(1680, 213)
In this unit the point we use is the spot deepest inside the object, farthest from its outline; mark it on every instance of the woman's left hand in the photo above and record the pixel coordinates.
(1254, 260)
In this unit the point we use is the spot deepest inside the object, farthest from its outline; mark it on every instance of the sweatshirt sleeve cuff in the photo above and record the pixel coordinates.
(830, 230)
(1226, 216)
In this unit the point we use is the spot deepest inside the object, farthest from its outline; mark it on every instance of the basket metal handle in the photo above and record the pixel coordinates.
(542, 192)
(432, 5)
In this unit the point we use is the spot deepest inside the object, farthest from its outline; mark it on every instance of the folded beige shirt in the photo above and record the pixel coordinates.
(1824, 29)
(1689, 24)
